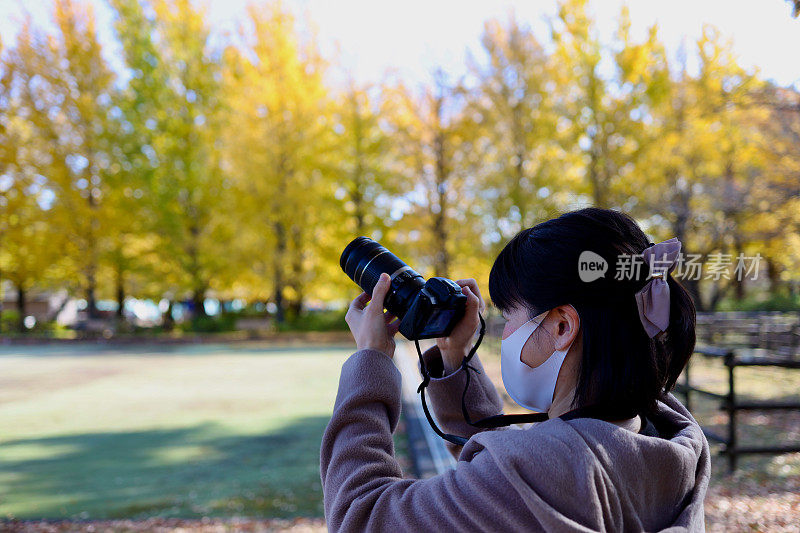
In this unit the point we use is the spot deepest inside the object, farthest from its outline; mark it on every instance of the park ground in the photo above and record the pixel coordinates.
(222, 437)
(189, 431)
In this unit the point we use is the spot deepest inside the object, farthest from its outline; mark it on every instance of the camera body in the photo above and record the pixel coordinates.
(426, 309)
(439, 306)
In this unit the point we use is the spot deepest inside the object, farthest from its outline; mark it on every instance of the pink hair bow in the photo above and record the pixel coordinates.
(653, 299)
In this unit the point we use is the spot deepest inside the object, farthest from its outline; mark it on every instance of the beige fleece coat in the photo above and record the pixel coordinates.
(577, 475)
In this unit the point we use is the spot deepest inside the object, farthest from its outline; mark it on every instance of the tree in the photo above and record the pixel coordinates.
(172, 59)
(69, 102)
(432, 140)
(775, 225)
(362, 166)
(275, 144)
(519, 153)
(29, 239)
(599, 118)
(8, 150)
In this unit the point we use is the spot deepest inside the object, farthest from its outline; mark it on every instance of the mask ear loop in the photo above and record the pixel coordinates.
(493, 421)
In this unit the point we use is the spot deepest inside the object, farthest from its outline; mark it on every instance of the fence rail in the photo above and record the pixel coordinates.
(732, 405)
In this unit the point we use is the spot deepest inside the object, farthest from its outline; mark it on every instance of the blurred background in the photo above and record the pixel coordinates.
(178, 179)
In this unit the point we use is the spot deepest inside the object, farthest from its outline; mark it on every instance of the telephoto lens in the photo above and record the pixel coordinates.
(364, 260)
(426, 309)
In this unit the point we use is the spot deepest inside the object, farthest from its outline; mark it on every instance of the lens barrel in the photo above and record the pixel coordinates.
(364, 260)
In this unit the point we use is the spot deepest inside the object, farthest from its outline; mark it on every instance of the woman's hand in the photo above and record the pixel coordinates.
(371, 327)
(457, 345)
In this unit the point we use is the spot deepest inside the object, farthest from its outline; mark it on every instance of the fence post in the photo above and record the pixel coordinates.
(731, 408)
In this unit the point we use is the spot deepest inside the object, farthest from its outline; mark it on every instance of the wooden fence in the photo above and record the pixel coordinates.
(745, 340)
(733, 405)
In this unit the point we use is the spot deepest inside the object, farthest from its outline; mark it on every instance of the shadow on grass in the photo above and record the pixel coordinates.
(189, 472)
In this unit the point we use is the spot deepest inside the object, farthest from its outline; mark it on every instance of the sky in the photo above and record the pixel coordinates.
(413, 37)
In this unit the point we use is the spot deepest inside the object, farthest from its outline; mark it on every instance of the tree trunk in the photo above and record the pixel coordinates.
(358, 201)
(21, 307)
(195, 270)
(53, 314)
(520, 198)
(442, 261)
(167, 322)
(682, 205)
(120, 293)
(280, 252)
(357, 193)
(774, 276)
(598, 191)
(198, 303)
(680, 229)
(731, 206)
(717, 293)
(91, 244)
(738, 278)
(91, 297)
(295, 306)
(693, 288)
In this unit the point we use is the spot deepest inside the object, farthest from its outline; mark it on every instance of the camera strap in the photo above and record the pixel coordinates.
(496, 421)
(493, 421)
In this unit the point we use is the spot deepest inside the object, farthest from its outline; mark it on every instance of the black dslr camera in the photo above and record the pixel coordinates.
(426, 309)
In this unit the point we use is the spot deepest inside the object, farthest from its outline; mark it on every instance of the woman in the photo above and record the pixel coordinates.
(612, 347)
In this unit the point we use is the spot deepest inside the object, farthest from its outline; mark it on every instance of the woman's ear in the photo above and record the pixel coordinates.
(566, 326)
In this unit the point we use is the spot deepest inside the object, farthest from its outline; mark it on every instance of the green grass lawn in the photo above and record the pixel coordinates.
(203, 430)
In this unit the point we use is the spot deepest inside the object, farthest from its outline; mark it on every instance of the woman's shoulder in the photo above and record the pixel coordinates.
(588, 456)
(594, 442)
(540, 462)
(551, 441)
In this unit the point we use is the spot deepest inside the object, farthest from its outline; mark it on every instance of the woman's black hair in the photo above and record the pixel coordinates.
(622, 370)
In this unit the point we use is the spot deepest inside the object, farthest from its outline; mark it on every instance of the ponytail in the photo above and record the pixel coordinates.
(680, 336)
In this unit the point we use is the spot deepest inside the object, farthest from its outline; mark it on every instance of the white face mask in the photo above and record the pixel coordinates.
(532, 388)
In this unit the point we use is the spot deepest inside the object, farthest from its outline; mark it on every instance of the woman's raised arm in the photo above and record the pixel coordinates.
(362, 481)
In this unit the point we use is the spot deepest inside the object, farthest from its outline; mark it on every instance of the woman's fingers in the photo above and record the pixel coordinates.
(473, 286)
(473, 306)
(472, 301)
(356, 307)
(379, 293)
(360, 301)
